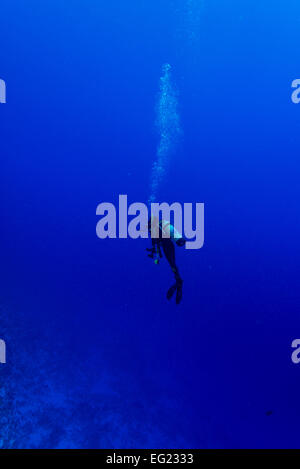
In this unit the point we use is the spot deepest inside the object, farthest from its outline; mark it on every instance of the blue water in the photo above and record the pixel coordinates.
(96, 356)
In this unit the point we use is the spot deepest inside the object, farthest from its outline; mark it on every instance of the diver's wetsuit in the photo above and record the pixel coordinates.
(169, 251)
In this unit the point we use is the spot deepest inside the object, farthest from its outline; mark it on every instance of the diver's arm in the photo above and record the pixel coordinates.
(155, 251)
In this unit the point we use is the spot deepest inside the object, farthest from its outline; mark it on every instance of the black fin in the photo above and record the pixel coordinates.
(171, 291)
(179, 294)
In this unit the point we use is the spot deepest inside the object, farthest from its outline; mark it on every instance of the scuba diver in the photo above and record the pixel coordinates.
(167, 244)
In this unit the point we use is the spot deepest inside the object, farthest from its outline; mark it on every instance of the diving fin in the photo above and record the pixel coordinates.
(179, 294)
(171, 291)
(177, 287)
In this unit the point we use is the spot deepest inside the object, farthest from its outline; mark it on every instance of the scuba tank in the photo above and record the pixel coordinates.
(170, 231)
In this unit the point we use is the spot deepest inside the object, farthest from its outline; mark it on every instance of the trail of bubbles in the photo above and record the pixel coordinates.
(193, 14)
(168, 124)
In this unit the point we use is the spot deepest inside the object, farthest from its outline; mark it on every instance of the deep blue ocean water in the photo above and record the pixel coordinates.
(96, 356)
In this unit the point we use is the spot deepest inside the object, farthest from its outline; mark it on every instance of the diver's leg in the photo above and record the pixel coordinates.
(169, 251)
